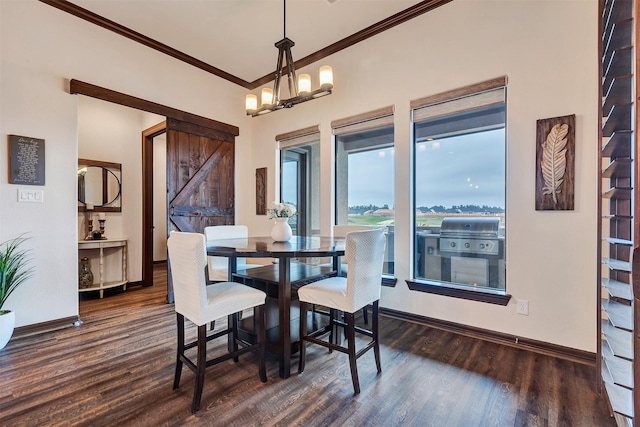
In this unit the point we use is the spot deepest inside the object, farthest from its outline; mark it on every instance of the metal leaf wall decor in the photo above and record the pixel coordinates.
(555, 160)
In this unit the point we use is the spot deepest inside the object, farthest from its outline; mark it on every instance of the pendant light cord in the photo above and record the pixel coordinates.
(284, 24)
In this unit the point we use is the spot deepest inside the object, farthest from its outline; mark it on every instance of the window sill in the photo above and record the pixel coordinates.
(491, 297)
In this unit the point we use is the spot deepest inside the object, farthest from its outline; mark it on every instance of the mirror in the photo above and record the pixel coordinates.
(99, 183)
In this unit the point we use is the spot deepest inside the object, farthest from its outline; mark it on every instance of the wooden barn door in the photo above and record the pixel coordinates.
(200, 186)
(200, 171)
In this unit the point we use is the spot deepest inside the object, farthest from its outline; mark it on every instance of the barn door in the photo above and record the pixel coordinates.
(200, 186)
(200, 171)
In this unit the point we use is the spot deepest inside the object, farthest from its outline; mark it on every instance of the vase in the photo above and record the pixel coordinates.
(281, 231)
(7, 324)
(85, 277)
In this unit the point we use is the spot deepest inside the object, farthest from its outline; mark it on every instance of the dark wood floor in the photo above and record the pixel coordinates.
(117, 369)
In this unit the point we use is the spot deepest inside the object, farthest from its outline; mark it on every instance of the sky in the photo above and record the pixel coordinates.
(463, 170)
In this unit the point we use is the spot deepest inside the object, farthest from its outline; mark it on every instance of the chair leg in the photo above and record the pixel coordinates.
(351, 347)
(233, 322)
(365, 315)
(180, 350)
(333, 332)
(344, 319)
(303, 333)
(259, 315)
(200, 367)
(374, 329)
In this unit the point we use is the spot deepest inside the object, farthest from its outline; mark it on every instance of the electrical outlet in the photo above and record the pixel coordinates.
(30, 196)
(522, 307)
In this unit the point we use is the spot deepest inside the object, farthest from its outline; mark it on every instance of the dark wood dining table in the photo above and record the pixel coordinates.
(284, 273)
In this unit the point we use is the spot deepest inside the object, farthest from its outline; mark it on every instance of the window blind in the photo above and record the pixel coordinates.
(363, 122)
(473, 108)
(298, 137)
(460, 105)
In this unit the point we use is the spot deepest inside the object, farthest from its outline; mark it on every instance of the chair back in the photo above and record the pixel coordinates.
(188, 261)
(364, 252)
(223, 232)
(340, 231)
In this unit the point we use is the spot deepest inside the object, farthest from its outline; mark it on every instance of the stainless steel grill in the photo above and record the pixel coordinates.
(470, 235)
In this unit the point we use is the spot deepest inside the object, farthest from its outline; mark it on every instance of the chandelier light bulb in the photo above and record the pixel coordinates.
(251, 102)
(267, 96)
(326, 75)
(304, 83)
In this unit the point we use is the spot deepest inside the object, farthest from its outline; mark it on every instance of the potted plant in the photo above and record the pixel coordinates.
(14, 270)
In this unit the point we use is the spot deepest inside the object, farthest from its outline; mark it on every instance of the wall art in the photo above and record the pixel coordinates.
(555, 163)
(26, 160)
(261, 191)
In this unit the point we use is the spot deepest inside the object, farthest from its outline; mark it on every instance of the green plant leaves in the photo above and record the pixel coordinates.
(15, 266)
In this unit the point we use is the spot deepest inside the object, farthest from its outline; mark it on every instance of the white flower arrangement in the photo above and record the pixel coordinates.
(281, 210)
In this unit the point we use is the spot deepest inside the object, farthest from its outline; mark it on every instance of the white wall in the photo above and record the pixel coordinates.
(41, 48)
(548, 50)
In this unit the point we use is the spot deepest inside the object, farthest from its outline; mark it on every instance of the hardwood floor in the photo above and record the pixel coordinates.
(117, 369)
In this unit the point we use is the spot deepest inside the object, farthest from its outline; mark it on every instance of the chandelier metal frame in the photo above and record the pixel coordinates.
(286, 64)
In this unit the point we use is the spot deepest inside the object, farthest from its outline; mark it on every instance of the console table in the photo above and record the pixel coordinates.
(89, 247)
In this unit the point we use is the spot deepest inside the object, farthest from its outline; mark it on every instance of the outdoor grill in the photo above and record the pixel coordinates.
(471, 249)
(470, 235)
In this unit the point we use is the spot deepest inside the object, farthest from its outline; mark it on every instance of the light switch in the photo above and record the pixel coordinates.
(30, 196)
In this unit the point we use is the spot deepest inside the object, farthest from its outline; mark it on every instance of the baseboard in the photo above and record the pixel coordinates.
(541, 347)
(52, 325)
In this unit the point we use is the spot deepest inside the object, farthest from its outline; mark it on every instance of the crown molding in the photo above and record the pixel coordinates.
(377, 28)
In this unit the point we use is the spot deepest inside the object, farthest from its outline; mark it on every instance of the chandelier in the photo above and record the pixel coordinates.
(299, 89)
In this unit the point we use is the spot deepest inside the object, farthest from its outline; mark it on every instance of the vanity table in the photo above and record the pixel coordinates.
(99, 192)
(97, 248)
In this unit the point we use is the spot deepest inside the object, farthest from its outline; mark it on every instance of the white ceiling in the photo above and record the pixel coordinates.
(238, 36)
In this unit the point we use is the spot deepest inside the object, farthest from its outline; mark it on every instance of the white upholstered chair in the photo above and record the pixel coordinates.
(219, 266)
(202, 304)
(364, 253)
(340, 231)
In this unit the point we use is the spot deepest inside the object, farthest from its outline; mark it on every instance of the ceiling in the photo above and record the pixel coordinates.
(238, 36)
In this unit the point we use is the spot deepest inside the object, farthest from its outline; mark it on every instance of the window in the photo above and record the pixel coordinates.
(365, 174)
(459, 189)
(300, 178)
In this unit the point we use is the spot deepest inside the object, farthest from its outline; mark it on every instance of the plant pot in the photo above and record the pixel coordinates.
(281, 231)
(7, 324)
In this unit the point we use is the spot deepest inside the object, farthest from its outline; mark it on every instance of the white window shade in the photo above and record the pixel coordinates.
(460, 105)
(479, 112)
(298, 137)
(364, 122)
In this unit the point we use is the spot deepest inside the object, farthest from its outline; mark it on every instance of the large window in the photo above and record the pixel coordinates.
(459, 153)
(365, 176)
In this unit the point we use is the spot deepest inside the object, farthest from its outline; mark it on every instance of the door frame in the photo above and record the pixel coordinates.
(147, 200)
(301, 157)
(78, 87)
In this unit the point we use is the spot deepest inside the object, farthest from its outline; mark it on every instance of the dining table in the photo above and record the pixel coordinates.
(293, 265)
